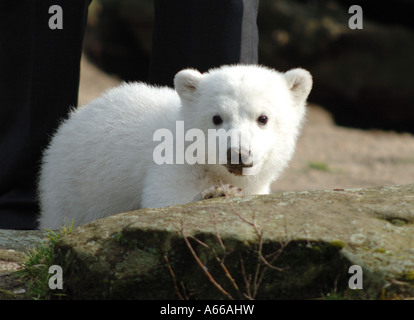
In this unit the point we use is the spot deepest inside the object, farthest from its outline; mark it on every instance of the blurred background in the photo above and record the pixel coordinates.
(361, 116)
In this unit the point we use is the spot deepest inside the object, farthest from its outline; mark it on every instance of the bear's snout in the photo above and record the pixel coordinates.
(239, 156)
(237, 159)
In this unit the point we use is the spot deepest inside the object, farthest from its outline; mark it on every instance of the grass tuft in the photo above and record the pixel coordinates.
(321, 166)
(36, 264)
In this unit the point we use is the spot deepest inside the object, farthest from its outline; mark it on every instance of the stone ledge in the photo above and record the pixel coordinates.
(21, 240)
(321, 233)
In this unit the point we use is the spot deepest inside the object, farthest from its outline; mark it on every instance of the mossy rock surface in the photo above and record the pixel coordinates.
(307, 240)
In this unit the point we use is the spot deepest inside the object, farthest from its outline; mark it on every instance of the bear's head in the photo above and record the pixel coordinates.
(258, 111)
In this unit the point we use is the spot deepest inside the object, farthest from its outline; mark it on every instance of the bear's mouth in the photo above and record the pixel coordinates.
(237, 169)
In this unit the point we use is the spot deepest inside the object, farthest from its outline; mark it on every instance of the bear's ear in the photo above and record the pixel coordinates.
(186, 82)
(300, 83)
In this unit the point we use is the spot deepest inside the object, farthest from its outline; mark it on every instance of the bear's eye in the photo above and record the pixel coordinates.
(262, 120)
(217, 120)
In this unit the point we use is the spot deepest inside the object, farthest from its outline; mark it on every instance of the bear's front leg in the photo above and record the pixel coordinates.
(219, 191)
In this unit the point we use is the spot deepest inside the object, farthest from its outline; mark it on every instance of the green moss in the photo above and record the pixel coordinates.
(409, 275)
(397, 222)
(338, 243)
(120, 238)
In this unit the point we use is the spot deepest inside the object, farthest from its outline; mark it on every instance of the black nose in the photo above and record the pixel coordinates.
(239, 156)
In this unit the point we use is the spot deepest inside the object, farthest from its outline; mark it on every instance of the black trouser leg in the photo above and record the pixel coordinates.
(39, 79)
(202, 34)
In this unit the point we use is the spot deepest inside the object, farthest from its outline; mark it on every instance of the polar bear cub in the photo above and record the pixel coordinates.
(140, 146)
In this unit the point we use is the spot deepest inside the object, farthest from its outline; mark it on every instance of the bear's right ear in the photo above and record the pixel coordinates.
(186, 82)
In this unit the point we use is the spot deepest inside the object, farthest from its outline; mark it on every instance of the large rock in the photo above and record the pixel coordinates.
(286, 245)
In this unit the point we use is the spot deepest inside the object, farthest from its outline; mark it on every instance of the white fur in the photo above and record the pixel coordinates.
(100, 161)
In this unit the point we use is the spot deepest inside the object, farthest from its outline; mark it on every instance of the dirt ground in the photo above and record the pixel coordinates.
(327, 156)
